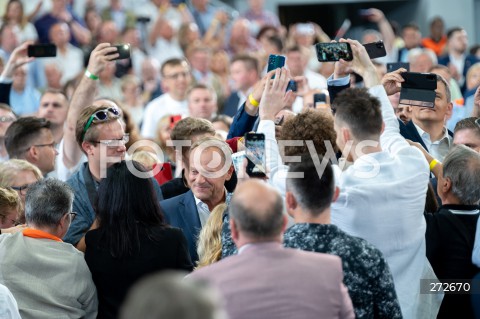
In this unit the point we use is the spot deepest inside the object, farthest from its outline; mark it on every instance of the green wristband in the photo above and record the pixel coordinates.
(89, 75)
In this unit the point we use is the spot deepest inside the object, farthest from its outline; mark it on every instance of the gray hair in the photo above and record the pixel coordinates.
(47, 201)
(413, 54)
(462, 167)
(168, 295)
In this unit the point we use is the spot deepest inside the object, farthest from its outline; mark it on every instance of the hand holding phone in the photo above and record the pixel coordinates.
(275, 62)
(123, 51)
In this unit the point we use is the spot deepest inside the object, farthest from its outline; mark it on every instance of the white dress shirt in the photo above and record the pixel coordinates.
(382, 198)
(438, 149)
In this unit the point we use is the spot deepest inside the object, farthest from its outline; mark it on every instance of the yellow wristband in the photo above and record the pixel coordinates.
(253, 101)
(433, 163)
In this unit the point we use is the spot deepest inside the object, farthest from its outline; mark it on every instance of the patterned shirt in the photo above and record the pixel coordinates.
(366, 273)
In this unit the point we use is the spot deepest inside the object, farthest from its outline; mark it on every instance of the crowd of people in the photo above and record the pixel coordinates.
(119, 197)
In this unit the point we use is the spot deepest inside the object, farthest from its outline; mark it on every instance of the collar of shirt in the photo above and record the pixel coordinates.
(227, 198)
(203, 209)
(35, 233)
(243, 248)
(426, 136)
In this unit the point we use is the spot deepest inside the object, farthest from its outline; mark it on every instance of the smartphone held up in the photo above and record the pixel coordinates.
(42, 50)
(332, 52)
(255, 153)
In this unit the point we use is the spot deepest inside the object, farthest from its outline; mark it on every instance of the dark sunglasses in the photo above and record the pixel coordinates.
(99, 116)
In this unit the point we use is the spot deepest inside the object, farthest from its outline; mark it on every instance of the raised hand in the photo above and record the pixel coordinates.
(274, 97)
(17, 58)
(392, 82)
(101, 55)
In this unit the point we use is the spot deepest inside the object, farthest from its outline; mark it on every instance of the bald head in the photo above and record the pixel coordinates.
(257, 210)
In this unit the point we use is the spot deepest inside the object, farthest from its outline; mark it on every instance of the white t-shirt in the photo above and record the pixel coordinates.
(158, 108)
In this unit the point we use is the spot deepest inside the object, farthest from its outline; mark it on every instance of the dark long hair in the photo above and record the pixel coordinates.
(127, 205)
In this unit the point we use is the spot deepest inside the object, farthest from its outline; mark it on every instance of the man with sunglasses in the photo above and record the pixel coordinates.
(100, 133)
(46, 261)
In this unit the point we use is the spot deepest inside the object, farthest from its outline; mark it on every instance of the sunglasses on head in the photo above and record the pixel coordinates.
(99, 116)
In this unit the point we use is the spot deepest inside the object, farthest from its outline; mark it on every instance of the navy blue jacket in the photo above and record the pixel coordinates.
(181, 212)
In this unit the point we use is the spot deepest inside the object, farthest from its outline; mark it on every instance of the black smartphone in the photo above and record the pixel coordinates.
(375, 49)
(319, 100)
(275, 62)
(143, 19)
(331, 52)
(397, 65)
(418, 89)
(255, 152)
(123, 50)
(42, 50)
(292, 86)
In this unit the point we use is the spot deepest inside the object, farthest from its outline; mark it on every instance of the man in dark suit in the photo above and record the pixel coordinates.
(457, 58)
(244, 72)
(427, 126)
(206, 178)
(266, 280)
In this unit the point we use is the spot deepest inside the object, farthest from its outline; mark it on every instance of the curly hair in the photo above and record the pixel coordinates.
(311, 125)
(210, 239)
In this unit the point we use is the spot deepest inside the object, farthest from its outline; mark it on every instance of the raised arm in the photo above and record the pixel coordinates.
(17, 58)
(84, 96)
(246, 116)
(385, 28)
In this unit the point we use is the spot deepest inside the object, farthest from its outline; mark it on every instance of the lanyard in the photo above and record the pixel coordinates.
(90, 185)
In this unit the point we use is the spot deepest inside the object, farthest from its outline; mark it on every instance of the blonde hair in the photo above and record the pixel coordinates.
(209, 246)
(146, 158)
(474, 68)
(9, 199)
(10, 168)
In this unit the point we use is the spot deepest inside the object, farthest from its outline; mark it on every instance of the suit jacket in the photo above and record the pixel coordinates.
(242, 123)
(469, 61)
(230, 107)
(269, 281)
(181, 212)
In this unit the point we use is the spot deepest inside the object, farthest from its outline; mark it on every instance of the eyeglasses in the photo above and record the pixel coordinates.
(52, 145)
(72, 216)
(21, 189)
(115, 142)
(100, 116)
(175, 76)
(477, 121)
(5, 119)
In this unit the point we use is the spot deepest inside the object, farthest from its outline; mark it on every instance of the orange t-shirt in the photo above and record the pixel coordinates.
(436, 47)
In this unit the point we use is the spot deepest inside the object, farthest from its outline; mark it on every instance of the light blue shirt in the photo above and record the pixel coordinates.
(26, 102)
